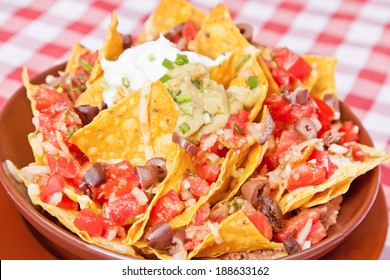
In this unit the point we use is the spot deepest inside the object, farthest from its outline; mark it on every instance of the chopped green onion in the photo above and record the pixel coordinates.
(196, 83)
(253, 81)
(125, 82)
(87, 67)
(151, 57)
(188, 110)
(184, 128)
(241, 62)
(103, 83)
(181, 59)
(238, 129)
(202, 90)
(272, 54)
(182, 98)
(60, 89)
(165, 78)
(191, 174)
(80, 88)
(167, 63)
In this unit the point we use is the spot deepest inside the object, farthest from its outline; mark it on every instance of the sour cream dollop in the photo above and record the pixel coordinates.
(145, 62)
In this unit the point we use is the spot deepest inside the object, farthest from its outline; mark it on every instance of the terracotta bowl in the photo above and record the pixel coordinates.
(15, 124)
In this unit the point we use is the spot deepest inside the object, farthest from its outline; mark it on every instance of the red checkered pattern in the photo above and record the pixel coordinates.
(40, 33)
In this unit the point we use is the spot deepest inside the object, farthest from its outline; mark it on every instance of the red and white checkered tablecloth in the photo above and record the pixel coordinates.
(40, 34)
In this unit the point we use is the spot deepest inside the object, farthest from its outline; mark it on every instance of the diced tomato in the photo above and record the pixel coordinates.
(123, 169)
(238, 122)
(357, 152)
(201, 215)
(189, 30)
(296, 223)
(46, 97)
(118, 187)
(76, 181)
(325, 115)
(305, 174)
(81, 73)
(65, 167)
(293, 63)
(282, 77)
(288, 139)
(285, 112)
(124, 208)
(191, 244)
(349, 134)
(89, 222)
(67, 203)
(317, 232)
(166, 208)
(55, 184)
(208, 171)
(322, 159)
(198, 186)
(261, 223)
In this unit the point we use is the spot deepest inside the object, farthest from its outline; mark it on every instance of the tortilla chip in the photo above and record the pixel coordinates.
(342, 176)
(218, 34)
(325, 69)
(238, 234)
(116, 133)
(112, 48)
(92, 96)
(216, 189)
(272, 85)
(176, 169)
(167, 15)
(74, 59)
(67, 217)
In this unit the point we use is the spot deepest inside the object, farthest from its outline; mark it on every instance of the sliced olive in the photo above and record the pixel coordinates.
(159, 236)
(246, 31)
(86, 113)
(268, 128)
(127, 41)
(95, 175)
(190, 148)
(254, 190)
(161, 164)
(305, 128)
(271, 209)
(147, 175)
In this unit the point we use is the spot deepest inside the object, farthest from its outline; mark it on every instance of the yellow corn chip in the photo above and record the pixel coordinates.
(342, 176)
(121, 132)
(167, 15)
(218, 34)
(74, 59)
(325, 69)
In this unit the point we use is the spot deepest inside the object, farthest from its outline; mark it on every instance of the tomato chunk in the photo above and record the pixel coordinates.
(201, 214)
(306, 174)
(166, 208)
(208, 171)
(63, 166)
(238, 121)
(261, 223)
(55, 184)
(122, 210)
(90, 222)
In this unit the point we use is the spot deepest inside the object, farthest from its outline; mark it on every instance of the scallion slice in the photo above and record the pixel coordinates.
(151, 57)
(188, 110)
(238, 129)
(165, 78)
(60, 90)
(103, 83)
(184, 128)
(241, 62)
(125, 82)
(181, 59)
(167, 63)
(87, 67)
(196, 83)
(253, 81)
(182, 98)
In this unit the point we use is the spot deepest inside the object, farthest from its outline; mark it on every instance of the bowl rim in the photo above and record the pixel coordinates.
(56, 234)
